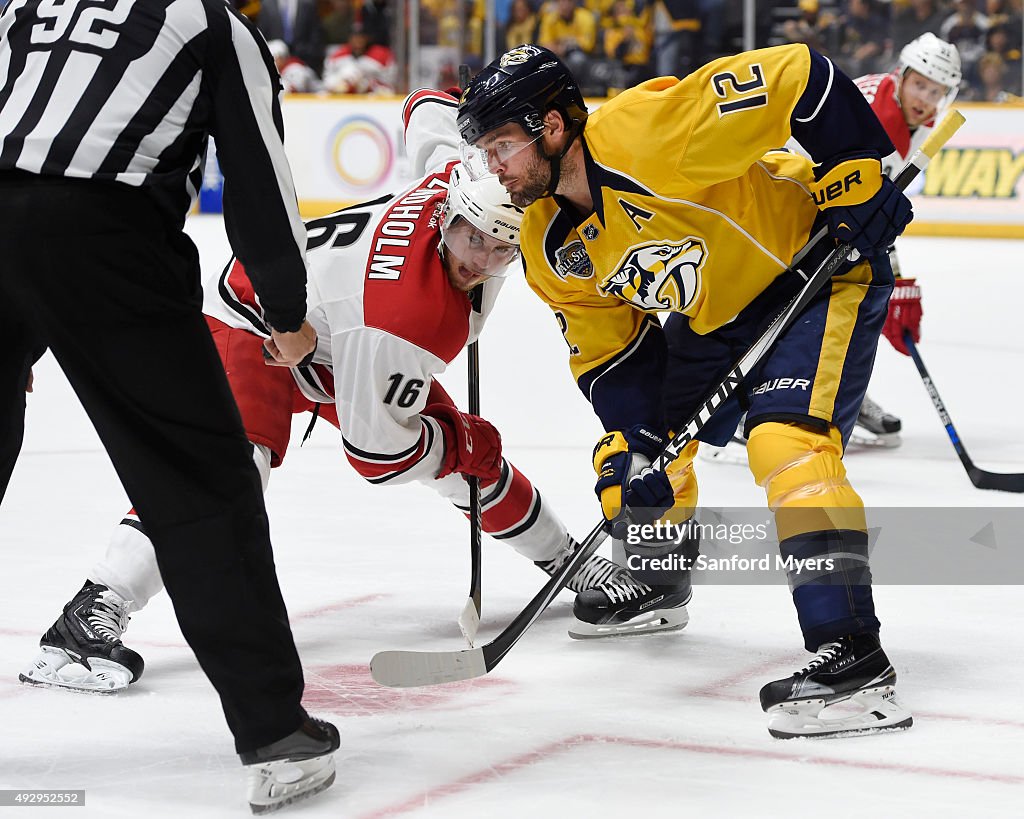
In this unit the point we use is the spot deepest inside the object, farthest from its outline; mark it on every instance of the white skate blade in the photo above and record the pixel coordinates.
(273, 785)
(865, 439)
(648, 623)
(55, 668)
(880, 710)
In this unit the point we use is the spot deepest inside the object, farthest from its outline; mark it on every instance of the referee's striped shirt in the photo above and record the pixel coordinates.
(128, 91)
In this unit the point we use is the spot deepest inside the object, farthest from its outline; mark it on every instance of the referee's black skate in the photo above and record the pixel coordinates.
(626, 606)
(852, 670)
(294, 768)
(82, 651)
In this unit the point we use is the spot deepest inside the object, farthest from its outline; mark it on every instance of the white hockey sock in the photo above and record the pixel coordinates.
(129, 566)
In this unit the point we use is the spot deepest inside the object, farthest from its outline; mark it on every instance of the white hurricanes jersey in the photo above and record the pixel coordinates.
(386, 317)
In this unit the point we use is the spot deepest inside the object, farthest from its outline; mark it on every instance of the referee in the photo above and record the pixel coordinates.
(106, 107)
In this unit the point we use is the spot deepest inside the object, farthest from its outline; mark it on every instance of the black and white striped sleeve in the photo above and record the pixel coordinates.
(260, 210)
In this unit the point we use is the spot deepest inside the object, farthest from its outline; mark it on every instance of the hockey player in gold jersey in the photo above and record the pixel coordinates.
(671, 198)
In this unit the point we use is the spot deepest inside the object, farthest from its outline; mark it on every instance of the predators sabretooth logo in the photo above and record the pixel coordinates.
(518, 55)
(658, 275)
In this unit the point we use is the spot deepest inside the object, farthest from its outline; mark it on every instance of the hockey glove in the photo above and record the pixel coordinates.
(626, 480)
(472, 446)
(904, 314)
(862, 206)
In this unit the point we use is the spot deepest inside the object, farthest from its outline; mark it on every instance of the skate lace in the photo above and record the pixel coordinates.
(870, 409)
(595, 571)
(623, 589)
(826, 654)
(109, 616)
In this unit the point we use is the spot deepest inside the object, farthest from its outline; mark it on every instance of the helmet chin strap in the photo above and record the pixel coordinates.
(555, 160)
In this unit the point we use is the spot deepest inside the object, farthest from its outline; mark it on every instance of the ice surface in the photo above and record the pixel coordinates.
(561, 728)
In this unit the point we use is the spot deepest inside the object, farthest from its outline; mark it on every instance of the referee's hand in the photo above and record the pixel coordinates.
(290, 349)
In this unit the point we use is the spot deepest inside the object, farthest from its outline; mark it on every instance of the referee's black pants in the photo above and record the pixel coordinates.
(92, 272)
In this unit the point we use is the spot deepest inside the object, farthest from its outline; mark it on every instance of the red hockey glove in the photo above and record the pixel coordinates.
(904, 314)
(472, 446)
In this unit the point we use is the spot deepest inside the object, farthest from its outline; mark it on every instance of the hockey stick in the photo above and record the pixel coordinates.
(469, 620)
(402, 669)
(979, 477)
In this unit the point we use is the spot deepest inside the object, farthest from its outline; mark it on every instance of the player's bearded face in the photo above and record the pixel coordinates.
(526, 177)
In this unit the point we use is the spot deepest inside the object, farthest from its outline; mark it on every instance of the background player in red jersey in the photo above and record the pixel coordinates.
(907, 101)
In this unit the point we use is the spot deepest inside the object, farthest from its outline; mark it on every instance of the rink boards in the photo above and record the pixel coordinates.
(348, 149)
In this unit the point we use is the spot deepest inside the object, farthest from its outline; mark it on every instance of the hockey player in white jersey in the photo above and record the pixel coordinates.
(388, 296)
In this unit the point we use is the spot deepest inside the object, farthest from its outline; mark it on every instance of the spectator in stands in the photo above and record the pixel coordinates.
(570, 31)
(360, 66)
(1003, 38)
(965, 16)
(811, 27)
(375, 18)
(627, 38)
(337, 22)
(297, 23)
(1006, 12)
(296, 76)
(994, 80)
(912, 20)
(676, 37)
(522, 24)
(965, 29)
(712, 28)
(862, 35)
(456, 24)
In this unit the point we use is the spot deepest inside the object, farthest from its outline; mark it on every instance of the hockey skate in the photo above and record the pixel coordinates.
(875, 427)
(294, 768)
(82, 651)
(624, 606)
(850, 670)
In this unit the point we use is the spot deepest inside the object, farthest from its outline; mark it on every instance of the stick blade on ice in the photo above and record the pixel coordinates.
(410, 669)
(469, 621)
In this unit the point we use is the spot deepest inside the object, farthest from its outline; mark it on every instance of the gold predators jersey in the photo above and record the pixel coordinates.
(694, 210)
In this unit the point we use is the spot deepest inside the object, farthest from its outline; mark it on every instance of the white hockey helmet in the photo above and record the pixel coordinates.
(484, 204)
(935, 59)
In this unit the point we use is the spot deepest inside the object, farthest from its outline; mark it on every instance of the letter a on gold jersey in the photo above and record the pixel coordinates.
(658, 275)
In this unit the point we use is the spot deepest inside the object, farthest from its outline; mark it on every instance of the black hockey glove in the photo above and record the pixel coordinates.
(862, 206)
(627, 482)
